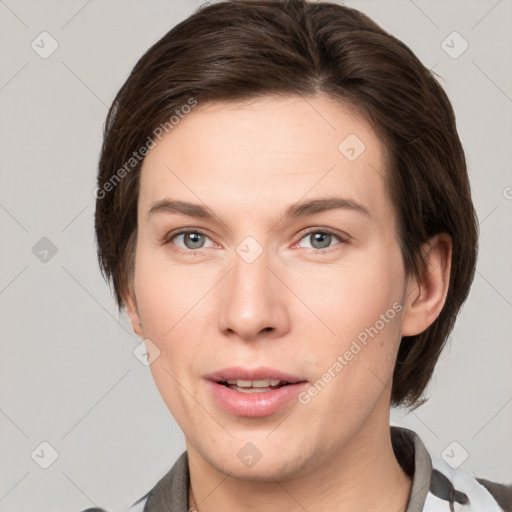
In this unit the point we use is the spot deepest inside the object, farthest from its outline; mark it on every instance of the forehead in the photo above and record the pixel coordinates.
(268, 152)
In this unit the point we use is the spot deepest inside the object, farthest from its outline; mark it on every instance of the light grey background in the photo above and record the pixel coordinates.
(67, 372)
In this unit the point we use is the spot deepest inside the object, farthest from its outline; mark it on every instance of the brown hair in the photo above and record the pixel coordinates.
(241, 49)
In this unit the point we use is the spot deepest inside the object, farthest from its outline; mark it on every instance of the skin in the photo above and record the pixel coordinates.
(297, 307)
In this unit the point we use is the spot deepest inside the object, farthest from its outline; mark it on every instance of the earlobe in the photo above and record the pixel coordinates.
(426, 294)
(133, 313)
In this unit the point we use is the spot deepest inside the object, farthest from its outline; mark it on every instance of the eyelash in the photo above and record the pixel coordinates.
(198, 252)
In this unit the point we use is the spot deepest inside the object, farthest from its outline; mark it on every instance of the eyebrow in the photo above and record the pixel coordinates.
(297, 210)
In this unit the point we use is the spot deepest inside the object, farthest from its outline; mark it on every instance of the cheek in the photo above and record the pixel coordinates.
(168, 294)
(171, 307)
(353, 295)
(177, 314)
(362, 307)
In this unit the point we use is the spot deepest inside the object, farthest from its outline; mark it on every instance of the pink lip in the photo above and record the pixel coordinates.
(263, 372)
(253, 404)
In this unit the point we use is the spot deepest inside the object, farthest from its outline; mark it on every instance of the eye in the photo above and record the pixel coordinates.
(321, 238)
(192, 239)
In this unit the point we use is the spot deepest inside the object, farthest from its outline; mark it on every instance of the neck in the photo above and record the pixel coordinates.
(363, 476)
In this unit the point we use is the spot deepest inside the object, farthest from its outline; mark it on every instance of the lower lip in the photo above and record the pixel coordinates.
(254, 405)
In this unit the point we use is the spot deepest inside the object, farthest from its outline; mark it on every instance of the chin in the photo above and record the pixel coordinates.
(259, 461)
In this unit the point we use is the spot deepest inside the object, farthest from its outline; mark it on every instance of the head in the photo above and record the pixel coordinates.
(249, 110)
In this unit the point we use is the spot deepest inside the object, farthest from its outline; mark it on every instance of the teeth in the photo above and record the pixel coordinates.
(263, 383)
(251, 390)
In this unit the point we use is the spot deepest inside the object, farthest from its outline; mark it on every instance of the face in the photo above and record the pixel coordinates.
(275, 300)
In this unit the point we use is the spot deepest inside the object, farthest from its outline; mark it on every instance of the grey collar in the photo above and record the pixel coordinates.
(413, 456)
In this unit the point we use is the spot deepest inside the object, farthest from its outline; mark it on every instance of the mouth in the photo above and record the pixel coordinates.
(253, 392)
(254, 386)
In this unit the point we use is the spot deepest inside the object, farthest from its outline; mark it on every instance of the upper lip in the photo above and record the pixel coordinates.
(260, 373)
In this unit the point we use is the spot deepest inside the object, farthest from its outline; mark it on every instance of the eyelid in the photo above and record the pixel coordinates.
(343, 237)
(167, 240)
(173, 234)
(329, 231)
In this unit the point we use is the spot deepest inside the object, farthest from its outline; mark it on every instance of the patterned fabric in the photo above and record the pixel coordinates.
(436, 487)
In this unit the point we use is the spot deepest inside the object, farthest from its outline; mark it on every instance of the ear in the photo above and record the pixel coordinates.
(426, 294)
(133, 313)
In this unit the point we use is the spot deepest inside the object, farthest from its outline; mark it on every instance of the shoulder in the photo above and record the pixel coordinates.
(438, 486)
(463, 488)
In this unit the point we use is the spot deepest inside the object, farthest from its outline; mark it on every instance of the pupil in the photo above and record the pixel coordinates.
(195, 240)
(323, 238)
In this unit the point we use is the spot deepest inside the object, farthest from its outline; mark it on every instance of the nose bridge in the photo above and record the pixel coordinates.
(252, 301)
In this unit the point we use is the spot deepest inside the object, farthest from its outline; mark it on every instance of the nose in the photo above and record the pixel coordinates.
(253, 301)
